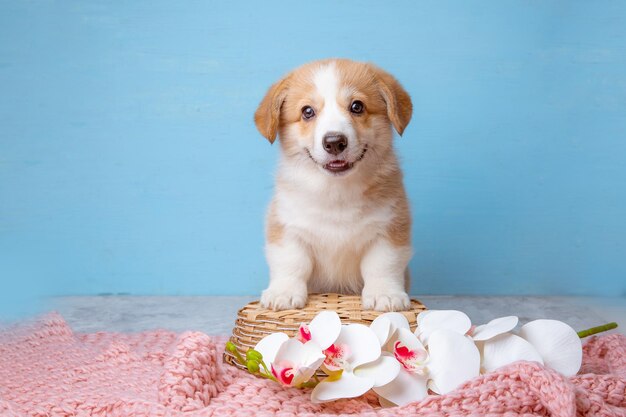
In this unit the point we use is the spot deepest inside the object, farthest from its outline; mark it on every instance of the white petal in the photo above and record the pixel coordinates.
(269, 345)
(363, 343)
(325, 328)
(408, 339)
(398, 320)
(387, 323)
(307, 354)
(291, 350)
(306, 358)
(303, 374)
(494, 328)
(453, 320)
(348, 386)
(405, 389)
(505, 349)
(420, 317)
(557, 343)
(381, 326)
(383, 370)
(313, 353)
(454, 359)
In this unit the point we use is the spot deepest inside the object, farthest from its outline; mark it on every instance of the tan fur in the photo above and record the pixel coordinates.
(274, 230)
(268, 113)
(389, 187)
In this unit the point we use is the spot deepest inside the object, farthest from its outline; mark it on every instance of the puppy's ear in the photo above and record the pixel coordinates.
(267, 115)
(399, 106)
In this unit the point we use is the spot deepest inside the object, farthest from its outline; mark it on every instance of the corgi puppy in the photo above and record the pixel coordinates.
(339, 220)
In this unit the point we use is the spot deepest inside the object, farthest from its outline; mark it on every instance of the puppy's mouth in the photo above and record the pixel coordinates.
(338, 166)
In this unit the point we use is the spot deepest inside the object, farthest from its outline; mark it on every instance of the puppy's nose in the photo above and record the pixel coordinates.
(335, 142)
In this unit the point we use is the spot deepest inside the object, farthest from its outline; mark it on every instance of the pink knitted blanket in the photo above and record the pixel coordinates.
(47, 370)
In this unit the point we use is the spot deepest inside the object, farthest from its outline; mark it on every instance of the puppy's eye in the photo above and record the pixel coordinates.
(308, 112)
(357, 107)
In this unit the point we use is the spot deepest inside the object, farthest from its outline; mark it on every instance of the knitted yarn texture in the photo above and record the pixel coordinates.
(47, 370)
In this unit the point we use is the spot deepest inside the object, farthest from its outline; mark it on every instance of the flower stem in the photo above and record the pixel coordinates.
(265, 367)
(267, 374)
(596, 330)
(239, 357)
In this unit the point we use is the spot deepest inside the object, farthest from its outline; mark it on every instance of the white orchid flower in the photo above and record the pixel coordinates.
(401, 366)
(548, 342)
(498, 347)
(291, 362)
(451, 358)
(269, 345)
(411, 384)
(323, 329)
(430, 321)
(504, 349)
(355, 365)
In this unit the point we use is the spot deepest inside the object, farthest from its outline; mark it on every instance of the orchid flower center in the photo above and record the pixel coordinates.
(304, 334)
(413, 360)
(337, 357)
(283, 371)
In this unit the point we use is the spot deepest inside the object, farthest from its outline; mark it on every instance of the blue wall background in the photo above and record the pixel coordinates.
(129, 162)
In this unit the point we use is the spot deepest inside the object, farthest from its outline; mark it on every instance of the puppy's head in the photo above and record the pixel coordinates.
(334, 113)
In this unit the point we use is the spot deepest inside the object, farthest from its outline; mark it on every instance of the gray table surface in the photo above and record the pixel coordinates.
(215, 315)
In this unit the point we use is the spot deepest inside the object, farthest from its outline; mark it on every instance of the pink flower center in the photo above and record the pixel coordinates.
(304, 334)
(336, 356)
(411, 360)
(283, 371)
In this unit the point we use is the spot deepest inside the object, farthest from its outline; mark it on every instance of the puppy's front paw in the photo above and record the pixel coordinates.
(278, 299)
(396, 301)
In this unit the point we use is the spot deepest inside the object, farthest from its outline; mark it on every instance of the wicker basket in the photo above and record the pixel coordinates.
(255, 322)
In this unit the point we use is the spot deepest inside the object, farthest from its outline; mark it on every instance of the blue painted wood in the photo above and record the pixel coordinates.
(129, 162)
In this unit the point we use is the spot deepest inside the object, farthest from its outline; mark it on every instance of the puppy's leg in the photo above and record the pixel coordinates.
(290, 268)
(383, 269)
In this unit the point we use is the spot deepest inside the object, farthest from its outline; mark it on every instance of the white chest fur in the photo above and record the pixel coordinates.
(336, 227)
